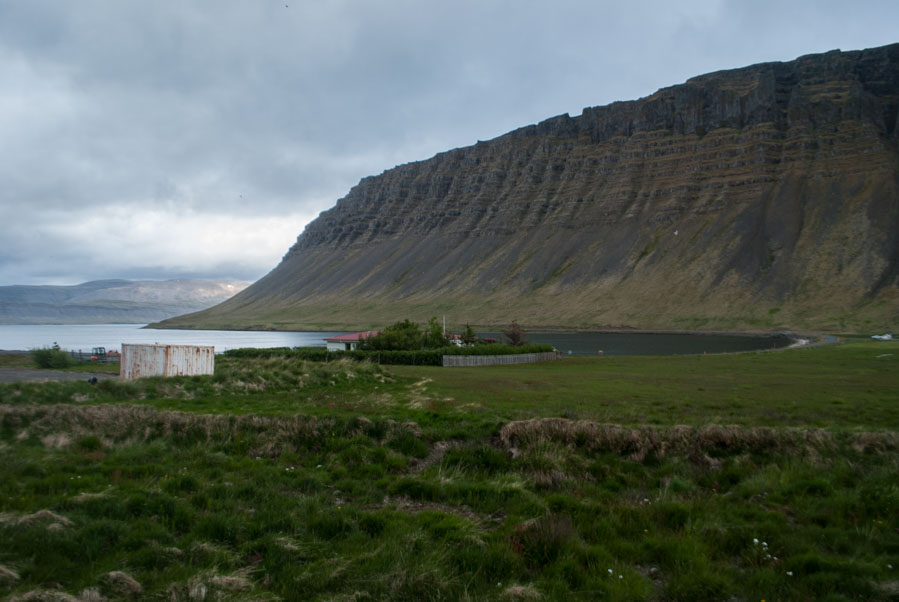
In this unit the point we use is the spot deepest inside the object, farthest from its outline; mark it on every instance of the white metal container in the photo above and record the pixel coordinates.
(139, 361)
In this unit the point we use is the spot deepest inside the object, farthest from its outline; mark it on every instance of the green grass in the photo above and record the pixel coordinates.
(278, 478)
(27, 361)
(838, 386)
(16, 360)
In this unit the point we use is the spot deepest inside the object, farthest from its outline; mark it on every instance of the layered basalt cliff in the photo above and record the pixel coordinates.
(759, 197)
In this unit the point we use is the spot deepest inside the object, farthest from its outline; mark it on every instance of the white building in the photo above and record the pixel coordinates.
(140, 360)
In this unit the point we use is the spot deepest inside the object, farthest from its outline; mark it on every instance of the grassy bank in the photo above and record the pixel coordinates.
(579, 479)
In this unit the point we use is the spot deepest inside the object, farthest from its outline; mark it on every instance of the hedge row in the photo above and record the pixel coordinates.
(422, 357)
(497, 349)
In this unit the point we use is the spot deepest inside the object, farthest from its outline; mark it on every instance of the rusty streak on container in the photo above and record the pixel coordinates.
(139, 361)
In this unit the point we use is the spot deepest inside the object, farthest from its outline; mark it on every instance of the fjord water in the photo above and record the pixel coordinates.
(646, 343)
(111, 336)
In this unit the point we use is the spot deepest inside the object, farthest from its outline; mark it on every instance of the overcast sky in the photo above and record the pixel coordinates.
(171, 138)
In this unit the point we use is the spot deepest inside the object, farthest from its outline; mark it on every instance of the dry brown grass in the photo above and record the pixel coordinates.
(231, 583)
(91, 594)
(122, 584)
(876, 442)
(695, 442)
(56, 440)
(208, 585)
(59, 426)
(521, 593)
(86, 496)
(8, 575)
(40, 516)
(45, 595)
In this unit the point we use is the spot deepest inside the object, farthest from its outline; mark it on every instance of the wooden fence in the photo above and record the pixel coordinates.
(455, 361)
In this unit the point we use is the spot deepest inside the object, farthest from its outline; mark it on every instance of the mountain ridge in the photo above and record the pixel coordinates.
(752, 198)
(111, 301)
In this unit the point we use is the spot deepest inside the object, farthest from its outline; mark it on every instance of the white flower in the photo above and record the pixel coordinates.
(621, 576)
(610, 571)
(789, 573)
(755, 541)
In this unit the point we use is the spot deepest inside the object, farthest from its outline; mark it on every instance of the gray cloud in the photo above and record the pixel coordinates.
(197, 138)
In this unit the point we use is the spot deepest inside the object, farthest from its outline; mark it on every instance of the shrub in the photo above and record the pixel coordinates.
(420, 357)
(498, 349)
(404, 336)
(516, 335)
(51, 358)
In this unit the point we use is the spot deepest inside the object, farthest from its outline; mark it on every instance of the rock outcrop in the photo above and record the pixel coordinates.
(762, 197)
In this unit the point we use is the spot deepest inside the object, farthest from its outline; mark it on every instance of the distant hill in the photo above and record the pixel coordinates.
(765, 197)
(111, 301)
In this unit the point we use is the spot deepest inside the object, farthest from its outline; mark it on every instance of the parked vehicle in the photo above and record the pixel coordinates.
(97, 354)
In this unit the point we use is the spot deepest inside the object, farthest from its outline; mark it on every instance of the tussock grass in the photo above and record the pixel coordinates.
(187, 507)
(521, 593)
(63, 426)
(7, 575)
(693, 442)
(121, 584)
(44, 595)
(192, 492)
(41, 516)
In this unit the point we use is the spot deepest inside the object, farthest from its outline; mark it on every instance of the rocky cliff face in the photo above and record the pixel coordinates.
(753, 198)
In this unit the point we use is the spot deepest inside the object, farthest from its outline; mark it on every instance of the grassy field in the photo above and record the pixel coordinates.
(26, 361)
(747, 477)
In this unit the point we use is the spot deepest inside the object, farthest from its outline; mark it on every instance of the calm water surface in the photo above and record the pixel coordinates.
(624, 343)
(111, 336)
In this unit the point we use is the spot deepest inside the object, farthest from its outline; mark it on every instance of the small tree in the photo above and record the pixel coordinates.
(468, 336)
(515, 335)
(403, 335)
(434, 337)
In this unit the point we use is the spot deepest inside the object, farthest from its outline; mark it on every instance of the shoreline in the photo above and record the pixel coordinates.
(534, 329)
(795, 340)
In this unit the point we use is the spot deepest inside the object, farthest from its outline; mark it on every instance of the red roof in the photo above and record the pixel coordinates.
(353, 337)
